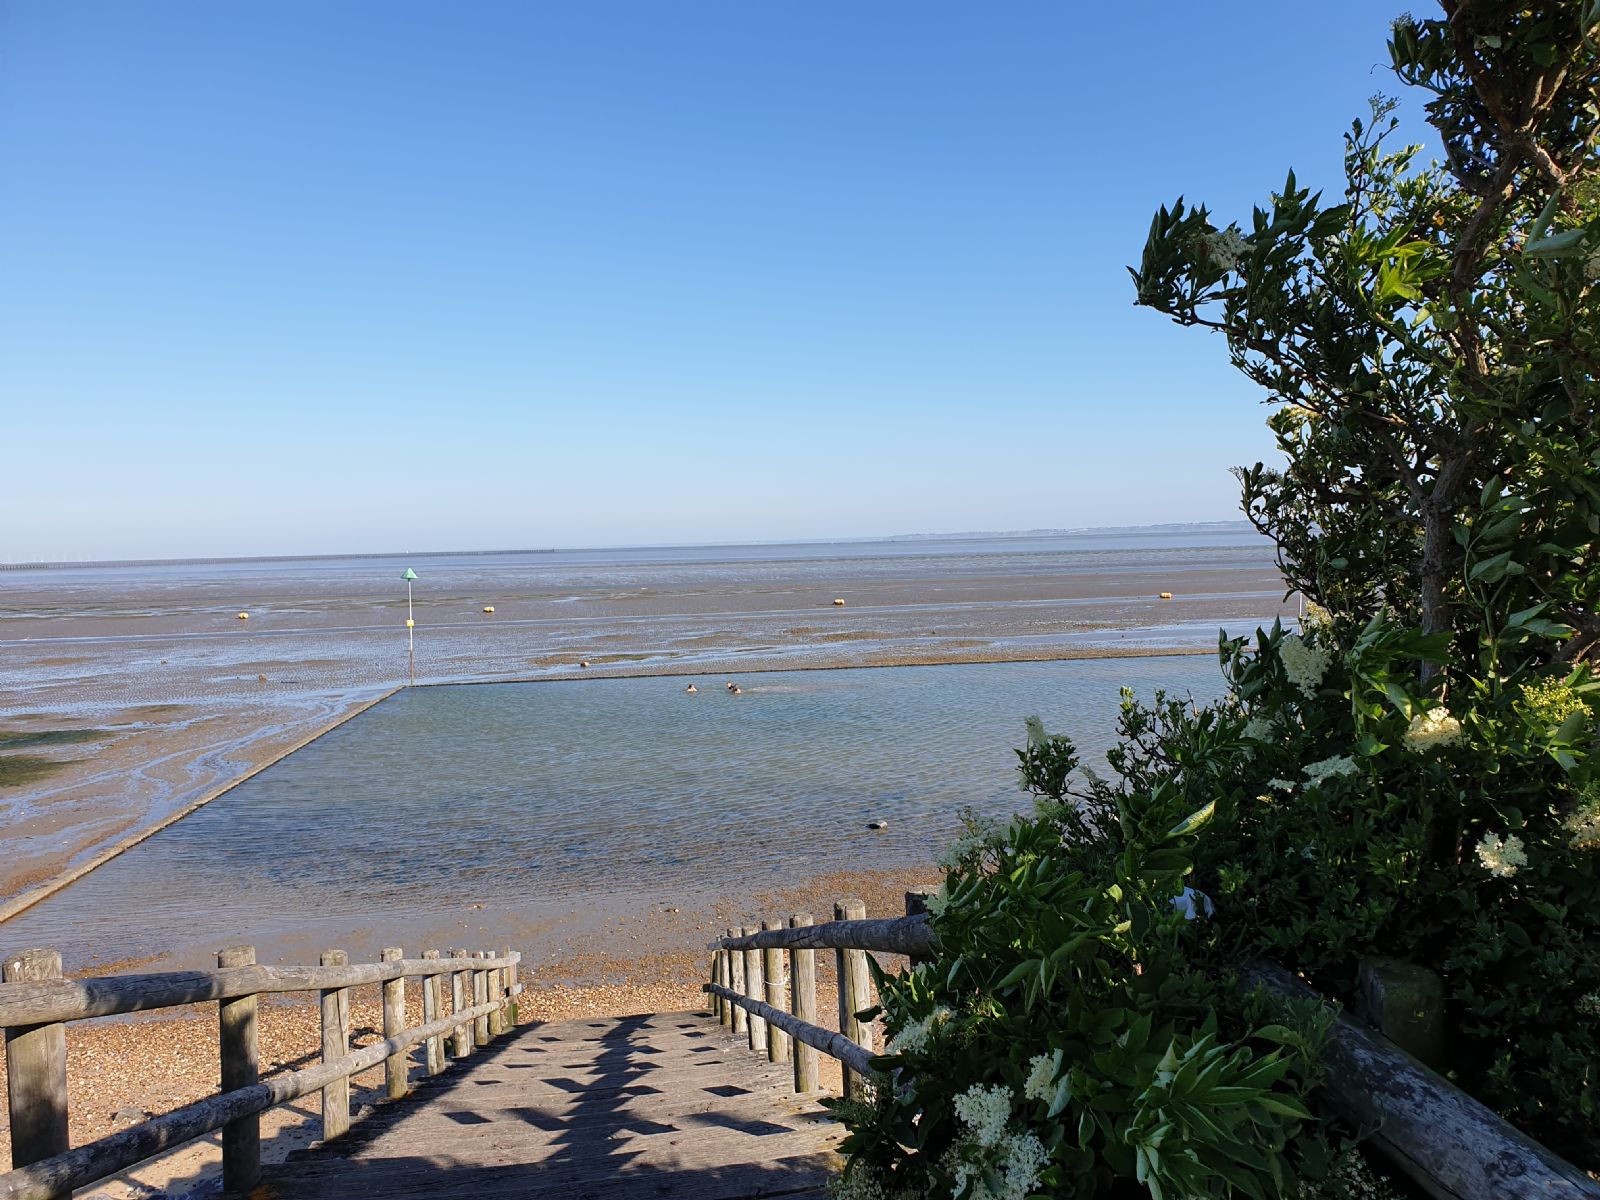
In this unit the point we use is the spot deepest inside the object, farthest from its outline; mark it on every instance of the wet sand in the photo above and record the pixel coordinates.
(178, 699)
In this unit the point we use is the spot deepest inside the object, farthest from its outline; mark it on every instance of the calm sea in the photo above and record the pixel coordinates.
(593, 791)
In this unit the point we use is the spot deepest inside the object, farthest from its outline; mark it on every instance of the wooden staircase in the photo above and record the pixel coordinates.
(668, 1104)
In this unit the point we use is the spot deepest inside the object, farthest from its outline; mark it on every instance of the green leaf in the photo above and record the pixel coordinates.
(1194, 821)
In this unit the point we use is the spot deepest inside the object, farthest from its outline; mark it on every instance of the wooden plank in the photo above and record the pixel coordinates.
(803, 1003)
(335, 1046)
(736, 984)
(432, 1010)
(855, 993)
(396, 1067)
(777, 994)
(754, 975)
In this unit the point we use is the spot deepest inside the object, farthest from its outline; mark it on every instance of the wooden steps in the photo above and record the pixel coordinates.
(669, 1104)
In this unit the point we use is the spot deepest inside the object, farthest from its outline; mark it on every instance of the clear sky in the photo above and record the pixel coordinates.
(360, 275)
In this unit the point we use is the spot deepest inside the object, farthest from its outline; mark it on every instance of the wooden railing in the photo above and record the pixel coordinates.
(36, 1003)
(1446, 1142)
(750, 994)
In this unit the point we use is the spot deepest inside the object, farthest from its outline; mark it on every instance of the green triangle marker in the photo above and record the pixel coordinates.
(409, 575)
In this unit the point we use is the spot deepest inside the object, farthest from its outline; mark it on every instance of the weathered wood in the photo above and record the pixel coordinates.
(835, 1045)
(335, 1047)
(725, 978)
(886, 935)
(496, 984)
(855, 992)
(395, 1067)
(58, 1175)
(917, 906)
(460, 994)
(432, 1010)
(42, 1002)
(754, 979)
(510, 974)
(741, 1019)
(480, 998)
(240, 1068)
(803, 1004)
(1451, 1146)
(1406, 1003)
(36, 1069)
(777, 995)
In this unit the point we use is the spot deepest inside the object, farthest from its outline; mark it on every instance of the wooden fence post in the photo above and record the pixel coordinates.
(803, 989)
(460, 990)
(432, 1006)
(777, 995)
(509, 975)
(36, 1069)
(917, 904)
(855, 994)
(497, 997)
(240, 1068)
(736, 982)
(480, 996)
(753, 987)
(719, 975)
(335, 1045)
(394, 1024)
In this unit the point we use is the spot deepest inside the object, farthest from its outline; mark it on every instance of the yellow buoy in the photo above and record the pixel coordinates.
(244, 616)
(840, 603)
(409, 622)
(488, 608)
(1166, 595)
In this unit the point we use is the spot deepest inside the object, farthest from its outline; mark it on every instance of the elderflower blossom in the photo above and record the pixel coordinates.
(1304, 663)
(1282, 785)
(1258, 729)
(1549, 702)
(1589, 1005)
(982, 834)
(1331, 768)
(1225, 248)
(1036, 733)
(985, 1111)
(913, 1039)
(1041, 1081)
(1584, 826)
(1502, 858)
(1016, 1168)
(1431, 730)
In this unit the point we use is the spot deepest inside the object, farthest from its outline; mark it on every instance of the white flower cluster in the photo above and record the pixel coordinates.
(1259, 729)
(984, 834)
(1016, 1160)
(1225, 248)
(1331, 768)
(985, 1111)
(1431, 730)
(1584, 826)
(913, 1039)
(1282, 785)
(1350, 1179)
(1304, 663)
(1041, 1081)
(1589, 1005)
(1036, 733)
(1502, 858)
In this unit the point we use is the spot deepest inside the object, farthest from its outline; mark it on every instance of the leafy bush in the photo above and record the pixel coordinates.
(1412, 773)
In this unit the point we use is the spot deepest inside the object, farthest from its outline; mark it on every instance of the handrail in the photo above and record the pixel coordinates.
(835, 1045)
(36, 1004)
(888, 935)
(79, 1167)
(1446, 1142)
(43, 1001)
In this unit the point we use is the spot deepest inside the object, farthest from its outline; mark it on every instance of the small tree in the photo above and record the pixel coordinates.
(1431, 345)
(1410, 773)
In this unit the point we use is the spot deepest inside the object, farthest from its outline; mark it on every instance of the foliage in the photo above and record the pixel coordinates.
(1411, 773)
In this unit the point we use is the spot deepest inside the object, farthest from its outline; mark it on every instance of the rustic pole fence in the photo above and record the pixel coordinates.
(803, 1004)
(36, 1003)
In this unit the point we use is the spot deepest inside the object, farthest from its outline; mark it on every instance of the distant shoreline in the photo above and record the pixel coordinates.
(897, 539)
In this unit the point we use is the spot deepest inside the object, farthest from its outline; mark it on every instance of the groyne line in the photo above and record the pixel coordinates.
(33, 896)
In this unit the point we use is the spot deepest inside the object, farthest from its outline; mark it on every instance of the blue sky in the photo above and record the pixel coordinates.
(357, 276)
